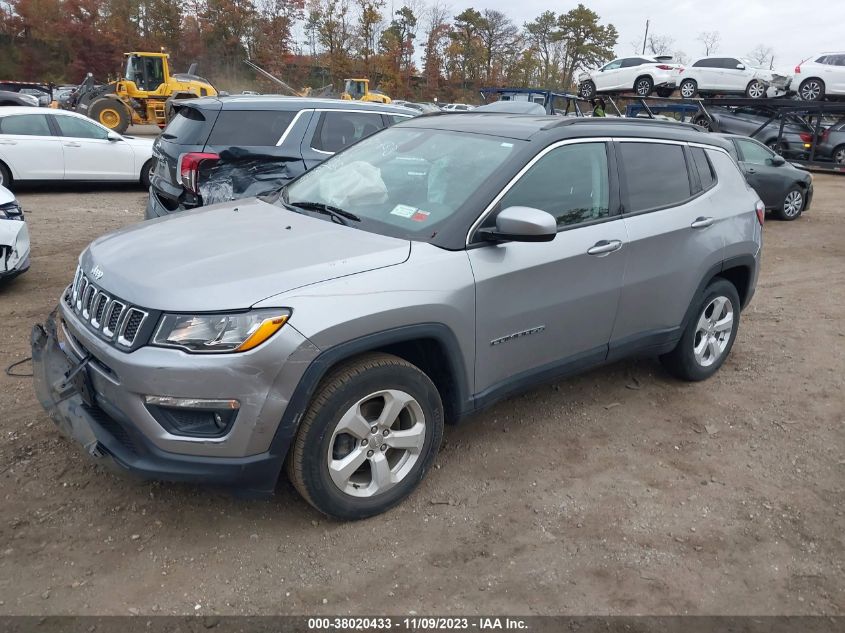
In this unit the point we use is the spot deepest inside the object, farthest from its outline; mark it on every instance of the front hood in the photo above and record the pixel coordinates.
(230, 256)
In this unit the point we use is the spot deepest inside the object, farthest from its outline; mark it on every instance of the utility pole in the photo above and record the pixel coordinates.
(645, 37)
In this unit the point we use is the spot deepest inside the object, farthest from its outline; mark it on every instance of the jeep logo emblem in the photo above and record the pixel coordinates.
(96, 273)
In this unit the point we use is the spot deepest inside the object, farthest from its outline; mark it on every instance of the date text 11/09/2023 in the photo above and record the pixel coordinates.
(416, 623)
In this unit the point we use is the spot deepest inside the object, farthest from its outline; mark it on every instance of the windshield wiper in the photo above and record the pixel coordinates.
(337, 214)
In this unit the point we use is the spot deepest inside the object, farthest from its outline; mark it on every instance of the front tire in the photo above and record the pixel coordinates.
(368, 437)
(792, 206)
(688, 88)
(811, 90)
(5, 176)
(643, 86)
(838, 155)
(709, 336)
(588, 89)
(111, 113)
(755, 90)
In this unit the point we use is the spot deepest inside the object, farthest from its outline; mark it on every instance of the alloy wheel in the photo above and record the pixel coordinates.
(713, 332)
(643, 87)
(811, 90)
(839, 156)
(793, 203)
(376, 443)
(756, 90)
(687, 90)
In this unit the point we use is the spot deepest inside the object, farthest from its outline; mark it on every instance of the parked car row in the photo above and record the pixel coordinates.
(815, 78)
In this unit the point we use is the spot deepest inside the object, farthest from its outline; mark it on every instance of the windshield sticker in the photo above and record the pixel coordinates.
(404, 211)
(420, 216)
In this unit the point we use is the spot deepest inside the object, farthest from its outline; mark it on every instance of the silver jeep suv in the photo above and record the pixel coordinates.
(415, 278)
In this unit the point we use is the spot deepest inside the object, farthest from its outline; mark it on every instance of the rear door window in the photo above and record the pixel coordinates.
(656, 175)
(336, 130)
(250, 128)
(25, 125)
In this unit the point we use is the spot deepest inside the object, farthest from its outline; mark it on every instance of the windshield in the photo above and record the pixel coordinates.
(403, 182)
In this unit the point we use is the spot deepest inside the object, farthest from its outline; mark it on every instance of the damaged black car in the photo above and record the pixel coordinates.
(217, 149)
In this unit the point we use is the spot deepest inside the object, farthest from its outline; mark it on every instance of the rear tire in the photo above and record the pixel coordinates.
(339, 464)
(688, 88)
(588, 89)
(792, 205)
(811, 90)
(709, 336)
(703, 121)
(146, 173)
(643, 86)
(111, 113)
(5, 176)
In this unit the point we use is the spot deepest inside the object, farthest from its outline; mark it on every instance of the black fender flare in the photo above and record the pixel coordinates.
(319, 367)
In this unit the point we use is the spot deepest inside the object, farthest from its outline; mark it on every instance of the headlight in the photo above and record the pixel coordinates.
(11, 211)
(219, 333)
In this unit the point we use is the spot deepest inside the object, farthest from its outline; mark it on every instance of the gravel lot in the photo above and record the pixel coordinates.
(621, 491)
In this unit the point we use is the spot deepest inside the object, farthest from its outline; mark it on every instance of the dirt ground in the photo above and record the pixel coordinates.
(621, 491)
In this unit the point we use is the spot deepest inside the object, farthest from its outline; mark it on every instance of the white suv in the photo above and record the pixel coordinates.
(821, 75)
(641, 74)
(730, 75)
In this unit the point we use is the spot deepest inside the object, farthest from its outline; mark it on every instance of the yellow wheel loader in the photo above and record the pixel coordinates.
(359, 90)
(141, 96)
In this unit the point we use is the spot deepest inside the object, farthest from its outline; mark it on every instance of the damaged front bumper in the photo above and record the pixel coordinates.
(14, 248)
(64, 388)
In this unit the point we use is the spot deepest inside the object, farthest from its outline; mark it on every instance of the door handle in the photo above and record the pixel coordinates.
(605, 247)
(702, 223)
(73, 144)
(8, 142)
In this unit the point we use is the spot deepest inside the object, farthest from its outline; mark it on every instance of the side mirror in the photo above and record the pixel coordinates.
(740, 66)
(114, 136)
(522, 224)
(777, 160)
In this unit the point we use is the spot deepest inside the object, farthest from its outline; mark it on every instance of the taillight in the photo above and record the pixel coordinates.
(664, 67)
(760, 209)
(825, 135)
(189, 168)
(806, 137)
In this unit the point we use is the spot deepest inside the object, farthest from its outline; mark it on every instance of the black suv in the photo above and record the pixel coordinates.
(224, 148)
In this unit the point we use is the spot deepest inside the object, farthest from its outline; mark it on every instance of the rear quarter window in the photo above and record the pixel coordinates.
(705, 170)
(190, 126)
(250, 128)
(656, 175)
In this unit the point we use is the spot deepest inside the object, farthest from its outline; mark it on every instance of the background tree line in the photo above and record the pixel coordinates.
(422, 51)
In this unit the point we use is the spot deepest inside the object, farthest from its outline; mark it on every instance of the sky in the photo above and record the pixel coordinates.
(793, 29)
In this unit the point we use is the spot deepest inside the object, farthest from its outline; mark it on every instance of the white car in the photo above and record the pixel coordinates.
(642, 75)
(14, 237)
(820, 76)
(457, 107)
(47, 144)
(730, 75)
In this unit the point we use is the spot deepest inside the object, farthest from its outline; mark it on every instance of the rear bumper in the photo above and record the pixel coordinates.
(106, 434)
(155, 209)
